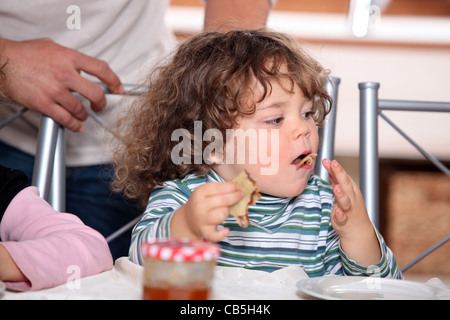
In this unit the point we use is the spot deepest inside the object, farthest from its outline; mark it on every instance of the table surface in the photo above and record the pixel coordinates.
(124, 281)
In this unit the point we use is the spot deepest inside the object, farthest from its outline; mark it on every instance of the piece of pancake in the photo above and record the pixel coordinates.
(251, 194)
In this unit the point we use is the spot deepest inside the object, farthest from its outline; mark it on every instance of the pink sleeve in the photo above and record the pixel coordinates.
(50, 247)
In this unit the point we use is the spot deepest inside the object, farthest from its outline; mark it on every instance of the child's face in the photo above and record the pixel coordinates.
(284, 130)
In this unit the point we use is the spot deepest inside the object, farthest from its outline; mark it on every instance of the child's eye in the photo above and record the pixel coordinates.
(307, 115)
(274, 121)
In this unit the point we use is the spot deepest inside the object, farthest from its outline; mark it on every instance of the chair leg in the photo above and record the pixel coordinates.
(45, 156)
(49, 172)
(368, 148)
(327, 131)
(58, 185)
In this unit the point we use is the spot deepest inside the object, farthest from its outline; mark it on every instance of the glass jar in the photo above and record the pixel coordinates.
(178, 269)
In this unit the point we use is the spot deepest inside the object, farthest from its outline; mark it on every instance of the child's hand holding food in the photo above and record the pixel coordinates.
(208, 206)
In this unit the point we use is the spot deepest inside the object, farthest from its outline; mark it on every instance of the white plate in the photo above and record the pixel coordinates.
(2, 287)
(366, 288)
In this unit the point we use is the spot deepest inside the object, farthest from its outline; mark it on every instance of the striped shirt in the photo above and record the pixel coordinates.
(282, 231)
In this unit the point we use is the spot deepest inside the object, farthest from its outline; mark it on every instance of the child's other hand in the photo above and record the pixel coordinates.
(349, 214)
(208, 206)
(350, 218)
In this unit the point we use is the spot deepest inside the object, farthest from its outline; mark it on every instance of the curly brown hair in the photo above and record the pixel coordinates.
(208, 78)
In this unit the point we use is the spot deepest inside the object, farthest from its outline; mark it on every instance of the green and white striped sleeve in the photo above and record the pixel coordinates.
(386, 267)
(155, 222)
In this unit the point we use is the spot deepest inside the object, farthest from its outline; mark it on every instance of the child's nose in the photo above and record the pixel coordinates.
(300, 129)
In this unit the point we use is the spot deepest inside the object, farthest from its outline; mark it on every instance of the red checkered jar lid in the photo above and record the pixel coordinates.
(181, 250)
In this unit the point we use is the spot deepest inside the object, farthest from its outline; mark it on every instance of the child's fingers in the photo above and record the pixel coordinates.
(216, 235)
(341, 198)
(343, 179)
(340, 175)
(217, 216)
(327, 164)
(212, 220)
(225, 200)
(213, 195)
(338, 216)
(215, 188)
(342, 184)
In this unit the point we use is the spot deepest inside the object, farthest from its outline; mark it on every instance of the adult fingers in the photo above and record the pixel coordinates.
(90, 91)
(64, 117)
(101, 70)
(73, 105)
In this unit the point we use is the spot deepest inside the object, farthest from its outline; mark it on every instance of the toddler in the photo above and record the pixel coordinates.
(244, 100)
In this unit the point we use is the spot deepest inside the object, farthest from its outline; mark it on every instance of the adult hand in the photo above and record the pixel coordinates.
(41, 75)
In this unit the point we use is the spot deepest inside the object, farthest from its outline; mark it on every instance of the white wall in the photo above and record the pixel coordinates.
(403, 73)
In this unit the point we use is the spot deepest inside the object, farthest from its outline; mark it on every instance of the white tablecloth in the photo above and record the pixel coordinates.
(124, 281)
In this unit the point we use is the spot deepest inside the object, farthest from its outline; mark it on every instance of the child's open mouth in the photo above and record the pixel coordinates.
(303, 159)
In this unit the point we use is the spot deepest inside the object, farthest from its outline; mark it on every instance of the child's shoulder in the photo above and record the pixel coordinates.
(187, 183)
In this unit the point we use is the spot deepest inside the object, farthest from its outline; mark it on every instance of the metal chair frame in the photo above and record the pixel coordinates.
(49, 172)
(327, 130)
(370, 108)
